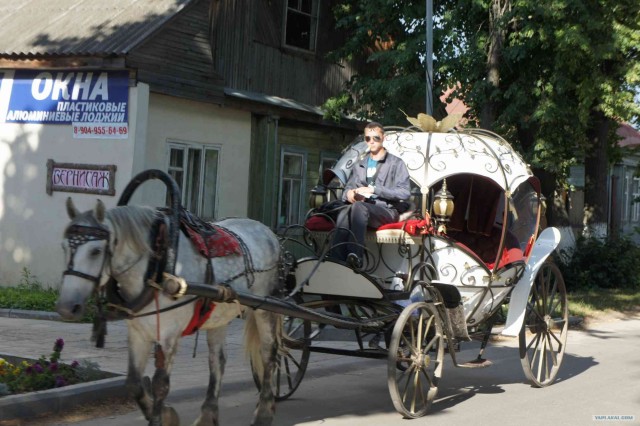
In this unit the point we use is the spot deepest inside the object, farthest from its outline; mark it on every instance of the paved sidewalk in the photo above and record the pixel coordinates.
(28, 336)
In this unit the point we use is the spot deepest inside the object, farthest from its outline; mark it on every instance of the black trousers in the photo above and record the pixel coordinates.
(356, 218)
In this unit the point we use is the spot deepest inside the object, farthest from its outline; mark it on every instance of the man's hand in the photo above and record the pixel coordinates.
(358, 194)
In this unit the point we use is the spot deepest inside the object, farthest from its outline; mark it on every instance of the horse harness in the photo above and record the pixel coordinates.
(112, 305)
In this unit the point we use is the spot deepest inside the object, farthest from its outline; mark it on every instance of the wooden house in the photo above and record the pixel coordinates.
(224, 95)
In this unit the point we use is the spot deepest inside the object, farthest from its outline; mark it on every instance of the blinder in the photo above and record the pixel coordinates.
(78, 235)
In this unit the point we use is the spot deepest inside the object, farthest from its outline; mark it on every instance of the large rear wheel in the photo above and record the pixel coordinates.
(415, 361)
(543, 336)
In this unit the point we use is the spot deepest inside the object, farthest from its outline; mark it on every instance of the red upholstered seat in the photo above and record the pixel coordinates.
(508, 256)
(412, 226)
(319, 223)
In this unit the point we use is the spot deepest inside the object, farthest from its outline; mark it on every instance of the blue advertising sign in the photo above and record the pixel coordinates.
(64, 97)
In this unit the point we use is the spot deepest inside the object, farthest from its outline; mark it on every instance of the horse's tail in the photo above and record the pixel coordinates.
(253, 341)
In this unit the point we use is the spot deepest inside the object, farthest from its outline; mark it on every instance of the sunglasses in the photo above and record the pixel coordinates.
(375, 138)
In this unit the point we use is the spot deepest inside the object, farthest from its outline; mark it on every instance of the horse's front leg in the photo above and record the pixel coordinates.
(139, 388)
(164, 356)
(268, 327)
(217, 360)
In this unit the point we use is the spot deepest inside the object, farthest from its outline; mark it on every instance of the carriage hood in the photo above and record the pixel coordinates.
(431, 157)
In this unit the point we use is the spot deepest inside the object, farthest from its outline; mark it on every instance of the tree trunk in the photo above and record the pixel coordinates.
(596, 165)
(496, 33)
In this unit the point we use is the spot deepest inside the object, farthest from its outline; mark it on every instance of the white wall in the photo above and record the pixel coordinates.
(31, 221)
(182, 120)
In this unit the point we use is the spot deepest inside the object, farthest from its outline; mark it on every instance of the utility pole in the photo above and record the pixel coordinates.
(429, 58)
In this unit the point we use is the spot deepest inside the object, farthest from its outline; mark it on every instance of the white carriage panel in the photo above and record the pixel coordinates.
(456, 267)
(391, 257)
(334, 279)
(472, 280)
(547, 242)
(430, 157)
(486, 305)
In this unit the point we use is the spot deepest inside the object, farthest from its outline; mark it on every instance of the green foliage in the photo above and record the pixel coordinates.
(45, 373)
(558, 63)
(28, 295)
(607, 264)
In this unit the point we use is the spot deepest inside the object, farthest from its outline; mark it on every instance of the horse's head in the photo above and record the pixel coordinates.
(86, 245)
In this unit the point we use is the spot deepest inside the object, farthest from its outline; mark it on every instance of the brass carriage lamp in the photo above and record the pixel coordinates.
(318, 196)
(443, 207)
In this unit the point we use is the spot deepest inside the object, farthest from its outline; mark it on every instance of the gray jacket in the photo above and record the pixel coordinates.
(392, 179)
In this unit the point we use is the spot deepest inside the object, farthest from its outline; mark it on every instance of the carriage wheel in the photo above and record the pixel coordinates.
(416, 356)
(292, 358)
(543, 336)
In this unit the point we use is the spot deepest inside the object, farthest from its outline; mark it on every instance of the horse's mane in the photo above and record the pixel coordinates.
(132, 225)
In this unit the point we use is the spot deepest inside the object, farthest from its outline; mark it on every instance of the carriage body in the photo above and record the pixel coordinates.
(455, 271)
(482, 249)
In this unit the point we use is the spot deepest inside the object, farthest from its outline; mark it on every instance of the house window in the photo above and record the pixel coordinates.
(327, 161)
(301, 24)
(291, 198)
(195, 169)
(635, 200)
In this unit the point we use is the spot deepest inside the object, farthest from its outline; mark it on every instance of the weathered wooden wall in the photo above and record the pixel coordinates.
(177, 60)
(246, 41)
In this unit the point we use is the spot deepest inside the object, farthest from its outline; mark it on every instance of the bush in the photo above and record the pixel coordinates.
(28, 295)
(31, 296)
(608, 263)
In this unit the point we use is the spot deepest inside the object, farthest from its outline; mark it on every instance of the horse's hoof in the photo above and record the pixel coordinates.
(170, 417)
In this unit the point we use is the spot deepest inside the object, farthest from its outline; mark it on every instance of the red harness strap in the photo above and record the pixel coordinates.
(201, 314)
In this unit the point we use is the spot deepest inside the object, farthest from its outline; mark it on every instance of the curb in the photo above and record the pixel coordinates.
(55, 401)
(23, 313)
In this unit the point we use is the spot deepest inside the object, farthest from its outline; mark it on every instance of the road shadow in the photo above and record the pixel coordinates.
(370, 376)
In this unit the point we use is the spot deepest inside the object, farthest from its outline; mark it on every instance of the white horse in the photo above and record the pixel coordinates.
(114, 244)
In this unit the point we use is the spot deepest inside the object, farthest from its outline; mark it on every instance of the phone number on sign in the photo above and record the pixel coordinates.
(100, 130)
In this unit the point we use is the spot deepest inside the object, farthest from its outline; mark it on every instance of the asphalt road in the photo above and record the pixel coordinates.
(600, 376)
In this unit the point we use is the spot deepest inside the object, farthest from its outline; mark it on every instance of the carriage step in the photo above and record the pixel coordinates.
(476, 363)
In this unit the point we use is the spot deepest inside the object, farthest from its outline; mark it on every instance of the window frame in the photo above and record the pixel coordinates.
(314, 25)
(186, 146)
(635, 195)
(294, 151)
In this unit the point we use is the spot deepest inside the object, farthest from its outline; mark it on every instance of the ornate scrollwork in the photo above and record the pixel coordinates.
(448, 271)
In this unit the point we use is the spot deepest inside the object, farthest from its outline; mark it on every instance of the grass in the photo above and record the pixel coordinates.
(596, 303)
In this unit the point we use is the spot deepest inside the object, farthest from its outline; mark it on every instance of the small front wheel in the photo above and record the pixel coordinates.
(415, 360)
(543, 336)
(292, 358)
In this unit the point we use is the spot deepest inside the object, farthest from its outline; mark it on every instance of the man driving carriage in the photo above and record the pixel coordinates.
(376, 192)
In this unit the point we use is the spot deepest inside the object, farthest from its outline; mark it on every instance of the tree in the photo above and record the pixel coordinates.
(551, 75)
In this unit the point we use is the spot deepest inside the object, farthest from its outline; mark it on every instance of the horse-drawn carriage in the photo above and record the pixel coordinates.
(467, 250)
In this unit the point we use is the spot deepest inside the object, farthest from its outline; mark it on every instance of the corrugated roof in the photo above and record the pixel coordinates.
(630, 136)
(80, 27)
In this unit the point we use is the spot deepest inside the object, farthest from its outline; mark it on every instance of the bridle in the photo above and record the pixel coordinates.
(78, 235)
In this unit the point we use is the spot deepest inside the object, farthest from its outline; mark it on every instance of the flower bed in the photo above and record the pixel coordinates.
(31, 388)
(19, 375)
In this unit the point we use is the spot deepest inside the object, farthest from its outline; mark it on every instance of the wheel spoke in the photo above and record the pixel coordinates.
(552, 351)
(534, 341)
(553, 334)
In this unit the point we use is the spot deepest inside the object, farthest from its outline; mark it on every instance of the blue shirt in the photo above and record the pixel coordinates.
(372, 166)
